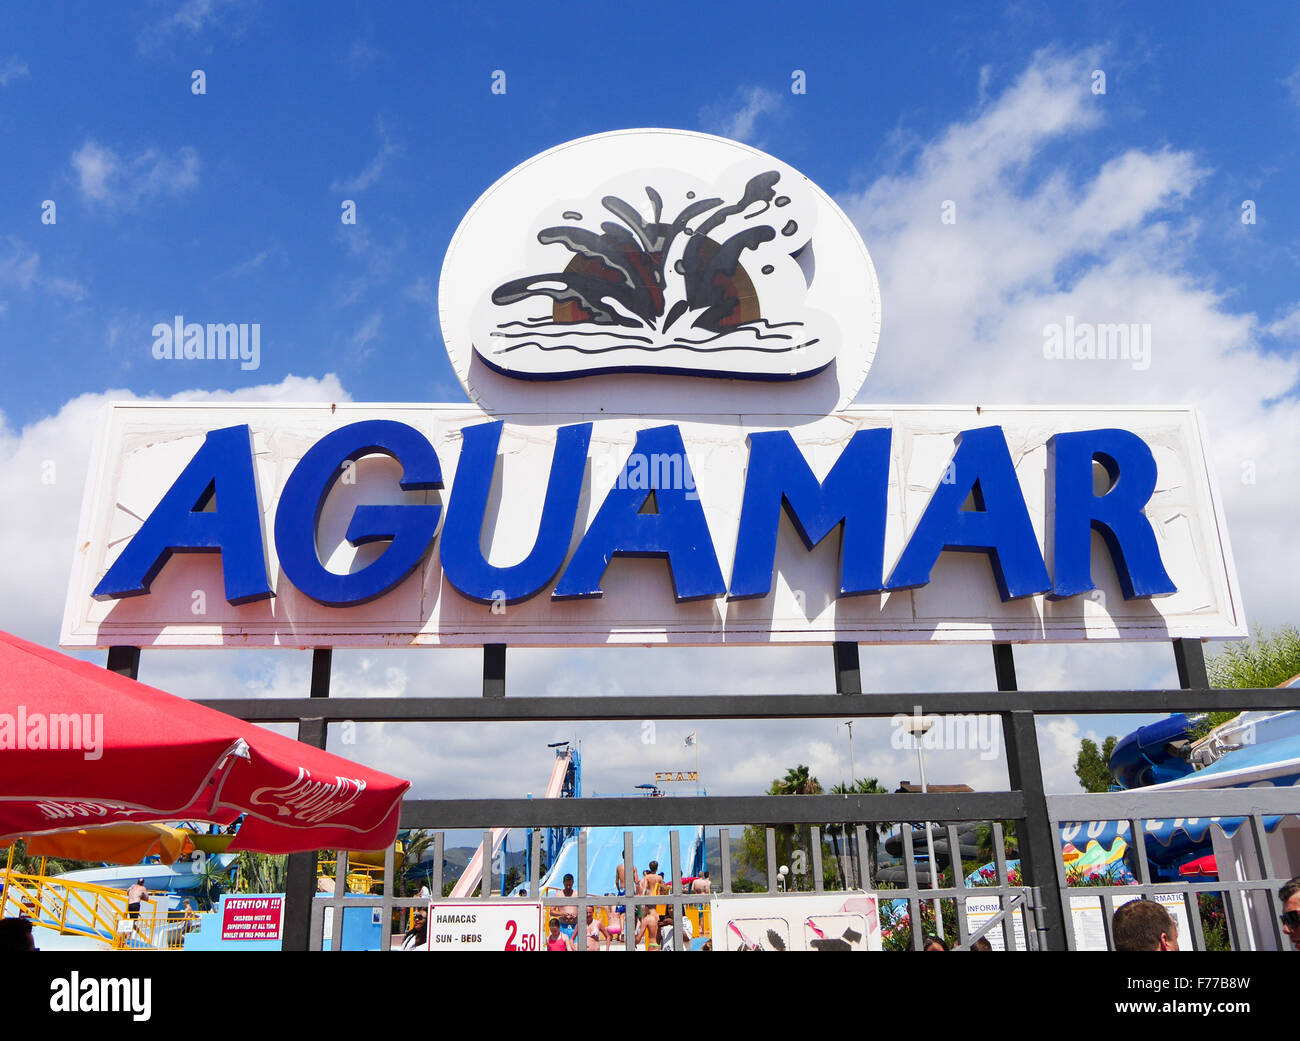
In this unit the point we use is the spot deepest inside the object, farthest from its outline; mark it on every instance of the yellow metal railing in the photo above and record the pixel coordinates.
(362, 878)
(89, 910)
(79, 908)
(161, 931)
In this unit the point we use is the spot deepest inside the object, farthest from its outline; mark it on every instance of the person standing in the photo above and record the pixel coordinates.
(567, 914)
(135, 895)
(1143, 925)
(417, 937)
(556, 940)
(1289, 894)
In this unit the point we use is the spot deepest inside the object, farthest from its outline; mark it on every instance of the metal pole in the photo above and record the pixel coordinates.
(850, 842)
(125, 661)
(494, 670)
(929, 844)
(300, 878)
(853, 772)
(1040, 840)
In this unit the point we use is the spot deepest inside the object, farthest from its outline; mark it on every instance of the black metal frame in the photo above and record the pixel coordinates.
(1024, 803)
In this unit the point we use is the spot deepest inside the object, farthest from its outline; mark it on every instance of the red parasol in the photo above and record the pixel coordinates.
(1202, 866)
(81, 746)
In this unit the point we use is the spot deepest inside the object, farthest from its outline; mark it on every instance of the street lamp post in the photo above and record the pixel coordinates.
(851, 844)
(918, 726)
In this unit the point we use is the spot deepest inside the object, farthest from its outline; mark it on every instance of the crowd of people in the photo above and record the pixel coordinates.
(651, 928)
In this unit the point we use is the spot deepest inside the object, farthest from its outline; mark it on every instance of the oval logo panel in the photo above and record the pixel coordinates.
(658, 272)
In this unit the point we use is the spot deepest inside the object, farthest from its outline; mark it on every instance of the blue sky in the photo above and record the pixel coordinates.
(225, 207)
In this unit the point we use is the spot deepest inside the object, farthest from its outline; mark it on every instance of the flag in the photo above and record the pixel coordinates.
(690, 739)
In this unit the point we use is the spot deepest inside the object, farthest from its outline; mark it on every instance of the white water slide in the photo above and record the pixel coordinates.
(468, 882)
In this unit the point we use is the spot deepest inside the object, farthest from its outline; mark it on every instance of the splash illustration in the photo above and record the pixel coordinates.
(717, 290)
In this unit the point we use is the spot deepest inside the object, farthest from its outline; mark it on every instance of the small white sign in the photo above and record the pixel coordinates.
(1089, 932)
(816, 922)
(485, 926)
(983, 909)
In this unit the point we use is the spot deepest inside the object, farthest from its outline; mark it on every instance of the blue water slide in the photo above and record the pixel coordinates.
(1153, 754)
(605, 853)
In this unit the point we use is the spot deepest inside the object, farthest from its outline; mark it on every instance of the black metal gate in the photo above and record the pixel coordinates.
(1025, 802)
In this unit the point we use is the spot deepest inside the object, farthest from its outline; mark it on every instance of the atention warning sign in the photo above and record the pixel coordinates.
(252, 917)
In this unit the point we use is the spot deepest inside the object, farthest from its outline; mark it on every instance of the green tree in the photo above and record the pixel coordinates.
(1269, 660)
(862, 786)
(1092, 766)
(415, 843)
(798, 780)
(258, 872)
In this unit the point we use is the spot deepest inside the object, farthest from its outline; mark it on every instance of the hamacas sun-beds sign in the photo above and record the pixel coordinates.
(663, 333)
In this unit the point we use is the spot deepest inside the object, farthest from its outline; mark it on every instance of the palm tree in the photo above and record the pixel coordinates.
(414, 845)
(798, 780)
(861, 786)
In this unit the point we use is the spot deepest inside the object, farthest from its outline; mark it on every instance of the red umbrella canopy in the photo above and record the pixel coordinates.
(82, 746)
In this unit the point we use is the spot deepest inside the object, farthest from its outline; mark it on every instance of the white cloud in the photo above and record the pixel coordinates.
(1051, 222)
(1292, 84)
(738, 119)
(253, 263)
(21, 269)
(361, 55)
(187, 19)
(1287, 328)
(42, 475)
(374, 169)
(12, 68)
(366, 334)
(106, 178)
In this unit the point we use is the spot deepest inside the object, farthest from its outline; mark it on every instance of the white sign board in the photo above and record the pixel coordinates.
(143, 447)
(485, 926)
(1087, 916)
(816, 922)
(658, 271)
(983, 909)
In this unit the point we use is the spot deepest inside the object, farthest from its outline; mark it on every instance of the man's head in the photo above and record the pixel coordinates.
(16, 935)
(935, 943)
(654, 867)
(1143, 925)
(1289, 894)
(982, 944)
(568, 884)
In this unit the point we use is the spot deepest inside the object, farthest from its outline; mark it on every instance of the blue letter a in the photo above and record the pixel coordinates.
(999, 526)
(222, 469)
(678, 532)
